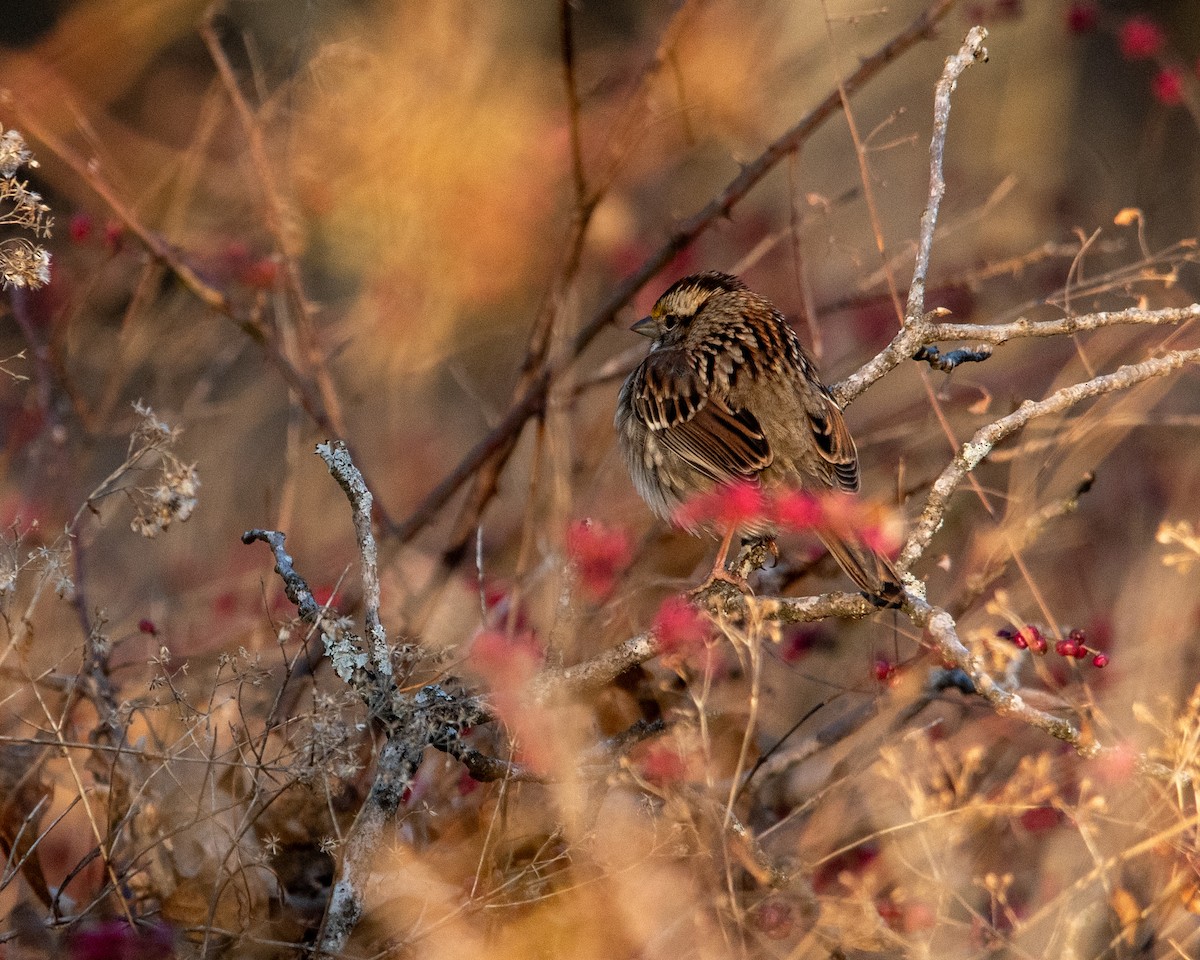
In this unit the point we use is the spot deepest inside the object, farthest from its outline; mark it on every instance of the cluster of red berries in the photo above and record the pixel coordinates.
(1139, 37)
(680, 628)
(235, 260)
(1074, 647)
(600, 553)
(82, 229)
(743, 504)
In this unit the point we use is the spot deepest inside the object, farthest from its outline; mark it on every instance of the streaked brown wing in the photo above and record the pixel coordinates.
(834, 443)
(719, 442)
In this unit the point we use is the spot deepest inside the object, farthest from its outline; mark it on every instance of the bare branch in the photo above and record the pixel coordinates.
(941, 629)
(1033, 527)
(566, 25)
(971, 51)
(350, 479)
(398, 762)
(89, 173)
(978, 447)
(998, 333)
(913, 337)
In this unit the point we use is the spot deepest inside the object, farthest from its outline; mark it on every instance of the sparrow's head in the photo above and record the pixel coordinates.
(701, 294)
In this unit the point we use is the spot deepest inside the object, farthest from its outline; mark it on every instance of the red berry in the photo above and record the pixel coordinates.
(114, 232)
(466, 784)
(735, 504)
(260, 274)
(1081, 17)
(889, 912)
(797, 510)
(1099, 661)
(1167, 86)
(1040, 819)
(147, 626)
(773, 918)
(679, 627)
(599, 553)
(739, 503)
(662, 764)
(1140, 38)
(80, 227)
(225, 603)
(1033, 637)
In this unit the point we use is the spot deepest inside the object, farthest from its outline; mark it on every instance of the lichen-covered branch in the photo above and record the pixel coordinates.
(350, 479)
(398, 762)
(342, 647)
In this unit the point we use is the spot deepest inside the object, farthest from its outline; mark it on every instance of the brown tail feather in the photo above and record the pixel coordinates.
(870, 570)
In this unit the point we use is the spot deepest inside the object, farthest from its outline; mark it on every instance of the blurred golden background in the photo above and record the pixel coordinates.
(384, 196)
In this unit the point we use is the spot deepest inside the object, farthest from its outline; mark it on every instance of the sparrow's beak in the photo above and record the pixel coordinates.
(647, 327)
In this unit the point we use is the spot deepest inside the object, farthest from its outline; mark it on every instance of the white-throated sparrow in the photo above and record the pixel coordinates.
(727, 393)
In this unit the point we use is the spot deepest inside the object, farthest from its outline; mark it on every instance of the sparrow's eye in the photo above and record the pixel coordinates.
(670, 321)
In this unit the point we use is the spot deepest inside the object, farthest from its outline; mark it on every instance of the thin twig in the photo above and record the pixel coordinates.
(89, 172)
(312, 399)
(1003, 332)
(278, 218)
(567, 47)
(971, 51)
(864, 172)
(914, 312)
(941, 629)
(533, 380)
(927, 330)
(1028, 532)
